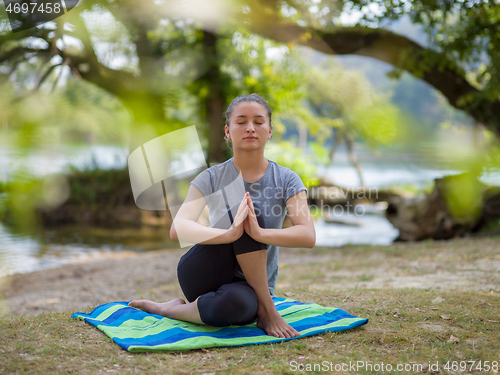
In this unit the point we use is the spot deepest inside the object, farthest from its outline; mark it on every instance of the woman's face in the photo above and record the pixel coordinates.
(249, 127)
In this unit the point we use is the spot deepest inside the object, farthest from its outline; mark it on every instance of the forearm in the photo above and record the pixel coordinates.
(295, 236)
(192, 232)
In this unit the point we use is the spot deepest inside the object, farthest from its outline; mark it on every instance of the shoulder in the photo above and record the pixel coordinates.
(214, 169)
(289, 180)
(220, 166)
(278, 167)
(285, 173)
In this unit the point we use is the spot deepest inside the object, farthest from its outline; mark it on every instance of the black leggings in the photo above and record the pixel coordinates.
(208, 272)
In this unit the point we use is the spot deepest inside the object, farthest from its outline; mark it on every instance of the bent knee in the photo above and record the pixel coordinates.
(230, 308)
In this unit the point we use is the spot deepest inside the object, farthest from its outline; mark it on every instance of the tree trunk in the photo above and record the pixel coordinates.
(214, 102)
(335, 144)
(352, 158)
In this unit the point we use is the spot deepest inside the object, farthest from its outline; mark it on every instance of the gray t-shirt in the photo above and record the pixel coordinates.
(223, 187)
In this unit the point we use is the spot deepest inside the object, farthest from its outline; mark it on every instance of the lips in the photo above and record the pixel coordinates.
(250, 138)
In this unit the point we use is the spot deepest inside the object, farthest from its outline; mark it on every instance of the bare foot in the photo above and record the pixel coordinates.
(274, 325)
(162, 309)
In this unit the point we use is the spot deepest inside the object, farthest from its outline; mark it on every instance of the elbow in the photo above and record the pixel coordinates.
(312, 241)
(173, 233)
(309, 243)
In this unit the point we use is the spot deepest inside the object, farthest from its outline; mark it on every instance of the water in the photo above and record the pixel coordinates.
(369, 228)
(418, 166)
(50, 248)
(21, 253)
(56, 158)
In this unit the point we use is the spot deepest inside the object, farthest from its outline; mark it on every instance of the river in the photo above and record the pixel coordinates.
(21, 253)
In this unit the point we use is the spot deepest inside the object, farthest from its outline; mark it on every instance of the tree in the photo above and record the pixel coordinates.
(168, 58)
(462, 58)
(172, 48)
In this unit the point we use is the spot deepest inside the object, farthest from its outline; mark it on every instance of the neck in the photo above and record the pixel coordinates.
(251, 161)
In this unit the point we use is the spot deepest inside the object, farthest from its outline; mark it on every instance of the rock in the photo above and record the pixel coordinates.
(437, 300)
(453, 340)
(457, 205)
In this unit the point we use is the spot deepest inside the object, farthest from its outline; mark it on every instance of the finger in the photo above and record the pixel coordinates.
(244, 214)
(243, 202)
(251, 210)
(242, 206)
(244, 198)
(252, 217)
(240, 218)
(250, 203)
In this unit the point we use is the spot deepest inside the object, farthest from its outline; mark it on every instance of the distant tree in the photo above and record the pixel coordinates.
(462, 58)
(346, 108)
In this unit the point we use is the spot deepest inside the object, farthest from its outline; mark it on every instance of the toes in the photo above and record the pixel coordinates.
(276, 334)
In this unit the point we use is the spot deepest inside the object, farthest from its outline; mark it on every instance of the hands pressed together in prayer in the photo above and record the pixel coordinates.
(245, 220)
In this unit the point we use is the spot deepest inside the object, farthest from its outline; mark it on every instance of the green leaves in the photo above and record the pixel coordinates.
(287, 154)
(344, 100)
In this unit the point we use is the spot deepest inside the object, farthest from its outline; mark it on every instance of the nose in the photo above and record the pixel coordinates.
(250, 127)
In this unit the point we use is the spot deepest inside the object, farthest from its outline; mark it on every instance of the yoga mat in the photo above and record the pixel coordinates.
(138, 331)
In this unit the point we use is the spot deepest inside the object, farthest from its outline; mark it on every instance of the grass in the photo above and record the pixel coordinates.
(407, 326)
(403, 329)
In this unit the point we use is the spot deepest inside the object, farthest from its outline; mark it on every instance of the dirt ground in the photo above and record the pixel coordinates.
(469, 264)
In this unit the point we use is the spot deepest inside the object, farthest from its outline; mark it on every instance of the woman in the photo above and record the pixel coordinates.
(230, 275)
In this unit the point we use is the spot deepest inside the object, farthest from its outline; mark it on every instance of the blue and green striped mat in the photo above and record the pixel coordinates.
(138, 331)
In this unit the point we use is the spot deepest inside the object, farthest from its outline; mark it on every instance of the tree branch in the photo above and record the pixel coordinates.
(397, 50)
(114, 81)
(44, 77)
(20, 51)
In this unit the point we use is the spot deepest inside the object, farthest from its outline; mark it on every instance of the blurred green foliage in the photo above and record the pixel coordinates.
(163, 70)
(78, 113)
(288, 155)
(100, 188)
(464, 33)
(87, 190)
(463, 197)
(23, 193)
(345, 101)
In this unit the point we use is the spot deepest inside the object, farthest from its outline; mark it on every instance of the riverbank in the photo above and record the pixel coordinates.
(470, 264)
(430, 305)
